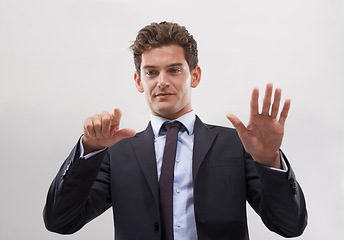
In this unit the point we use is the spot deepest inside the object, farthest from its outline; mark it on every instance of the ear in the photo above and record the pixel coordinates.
(138, 82)
(195, 76)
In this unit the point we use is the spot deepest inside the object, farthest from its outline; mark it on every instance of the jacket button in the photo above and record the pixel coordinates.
(156, 226)
(293, 186)
(294, 189)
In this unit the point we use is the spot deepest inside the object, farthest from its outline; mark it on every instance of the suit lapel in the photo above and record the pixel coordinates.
(143, 145)
(204, 138)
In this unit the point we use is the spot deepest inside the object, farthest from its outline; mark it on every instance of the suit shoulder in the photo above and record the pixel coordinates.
(222, 129)
(225, 133)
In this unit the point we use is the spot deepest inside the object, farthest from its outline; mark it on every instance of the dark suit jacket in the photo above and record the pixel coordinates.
(224, 176)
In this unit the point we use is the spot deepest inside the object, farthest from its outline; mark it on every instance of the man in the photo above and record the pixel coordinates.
(216, 169)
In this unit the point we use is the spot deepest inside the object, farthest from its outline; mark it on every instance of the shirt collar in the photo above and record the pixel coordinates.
(188, 120)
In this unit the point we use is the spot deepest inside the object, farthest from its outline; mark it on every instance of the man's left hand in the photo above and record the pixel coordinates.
(263, 135)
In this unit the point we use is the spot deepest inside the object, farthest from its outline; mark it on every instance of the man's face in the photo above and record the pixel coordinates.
(166, 81)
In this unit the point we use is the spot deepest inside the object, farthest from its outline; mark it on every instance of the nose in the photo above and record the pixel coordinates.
(163, 81)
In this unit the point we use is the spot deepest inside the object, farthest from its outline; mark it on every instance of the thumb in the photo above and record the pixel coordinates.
(125, 133)
(239, 126)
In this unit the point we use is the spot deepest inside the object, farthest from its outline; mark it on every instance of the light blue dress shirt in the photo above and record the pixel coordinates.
(184, 225)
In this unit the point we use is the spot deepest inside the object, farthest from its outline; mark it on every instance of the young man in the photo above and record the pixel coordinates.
(216, 169)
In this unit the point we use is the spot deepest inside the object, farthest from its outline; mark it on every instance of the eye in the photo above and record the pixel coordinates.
(174, 70)
(151, 72)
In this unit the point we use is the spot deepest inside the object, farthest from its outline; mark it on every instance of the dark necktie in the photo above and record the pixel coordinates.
(166, 179)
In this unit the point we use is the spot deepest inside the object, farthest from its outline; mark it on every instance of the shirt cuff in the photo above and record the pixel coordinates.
(283, 164)
(82, 151)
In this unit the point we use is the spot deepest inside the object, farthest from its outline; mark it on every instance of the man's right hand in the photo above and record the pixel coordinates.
(102, 130)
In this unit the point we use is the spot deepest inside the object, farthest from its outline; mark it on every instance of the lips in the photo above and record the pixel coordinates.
(163, 94)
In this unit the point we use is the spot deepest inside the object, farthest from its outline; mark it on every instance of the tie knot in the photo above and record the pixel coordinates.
(175, 124)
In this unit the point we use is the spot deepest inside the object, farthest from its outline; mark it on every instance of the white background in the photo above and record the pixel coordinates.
(64, 60)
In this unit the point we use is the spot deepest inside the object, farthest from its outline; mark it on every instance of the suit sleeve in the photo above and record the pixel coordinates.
(278, 199)
(79, 192)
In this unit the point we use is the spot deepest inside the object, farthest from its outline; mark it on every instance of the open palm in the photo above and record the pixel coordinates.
(263, 135)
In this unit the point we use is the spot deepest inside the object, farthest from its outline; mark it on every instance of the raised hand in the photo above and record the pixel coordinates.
(263, 135)
(102, 130)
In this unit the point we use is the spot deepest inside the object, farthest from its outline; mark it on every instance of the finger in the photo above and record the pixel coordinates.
(276, 103)
(285, 111)
(88, 128)
(97, 126)
(116, 117)
(267, 99)
(254, 102)
(106, 124)
(239, 126)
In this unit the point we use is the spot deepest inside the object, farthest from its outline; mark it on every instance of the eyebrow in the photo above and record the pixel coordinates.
(171, 65)
(175, 65)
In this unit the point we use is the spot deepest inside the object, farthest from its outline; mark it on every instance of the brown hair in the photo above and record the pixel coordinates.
(162, 34)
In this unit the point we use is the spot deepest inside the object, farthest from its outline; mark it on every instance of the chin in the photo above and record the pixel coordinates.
(165, 109)
(166, 113)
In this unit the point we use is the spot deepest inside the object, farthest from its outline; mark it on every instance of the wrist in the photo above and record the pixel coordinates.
(274, 162)
(89, 147)
(277, 163)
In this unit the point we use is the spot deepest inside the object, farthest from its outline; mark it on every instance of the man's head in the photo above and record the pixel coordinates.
(165, 57)
(163, 34)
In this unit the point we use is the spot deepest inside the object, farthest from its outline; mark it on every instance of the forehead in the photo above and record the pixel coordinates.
(163, 56)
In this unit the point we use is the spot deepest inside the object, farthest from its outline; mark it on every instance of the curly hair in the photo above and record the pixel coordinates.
(161, 34)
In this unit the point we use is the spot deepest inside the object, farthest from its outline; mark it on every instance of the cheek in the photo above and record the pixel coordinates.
(148, 87)
(186, 89)
(149, 92)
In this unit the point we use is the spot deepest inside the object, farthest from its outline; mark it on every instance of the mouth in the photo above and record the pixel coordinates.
(163, 94)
